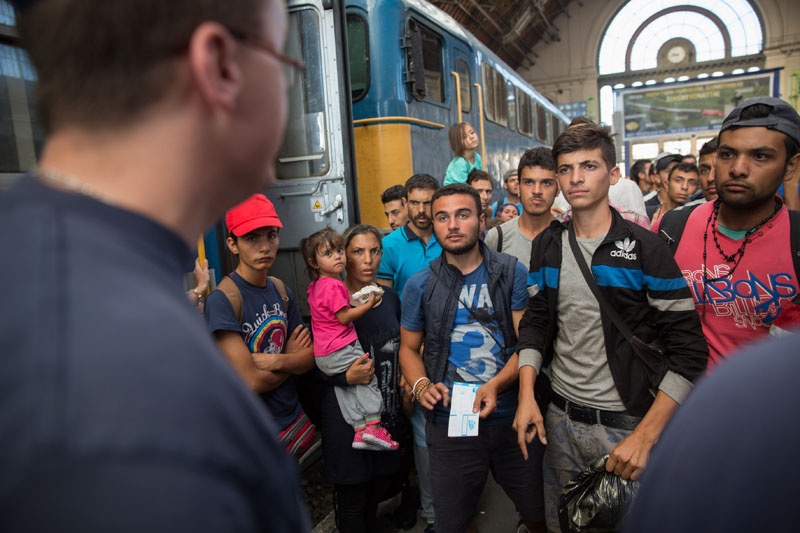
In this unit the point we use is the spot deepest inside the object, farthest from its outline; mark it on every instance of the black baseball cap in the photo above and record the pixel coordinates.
(782, 117)
(664, 159)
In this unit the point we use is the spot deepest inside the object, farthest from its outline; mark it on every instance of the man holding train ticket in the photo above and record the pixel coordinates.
(465, 307)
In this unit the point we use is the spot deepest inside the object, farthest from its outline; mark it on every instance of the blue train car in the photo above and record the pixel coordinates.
(414, 72)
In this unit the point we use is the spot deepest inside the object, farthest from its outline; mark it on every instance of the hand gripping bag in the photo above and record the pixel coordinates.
(595, 501)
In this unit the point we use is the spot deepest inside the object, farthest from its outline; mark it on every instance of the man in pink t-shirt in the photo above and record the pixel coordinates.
(735, 252)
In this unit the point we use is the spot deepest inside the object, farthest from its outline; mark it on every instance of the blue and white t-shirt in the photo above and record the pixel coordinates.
(475, 354)
(475, 350)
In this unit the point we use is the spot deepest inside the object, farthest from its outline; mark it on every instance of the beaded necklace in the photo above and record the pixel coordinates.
(735, 257)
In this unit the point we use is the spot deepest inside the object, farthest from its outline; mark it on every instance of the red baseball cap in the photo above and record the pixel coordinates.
(255, 212)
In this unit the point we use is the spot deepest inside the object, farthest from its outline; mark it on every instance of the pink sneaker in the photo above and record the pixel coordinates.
(360, 444)
(377, 435)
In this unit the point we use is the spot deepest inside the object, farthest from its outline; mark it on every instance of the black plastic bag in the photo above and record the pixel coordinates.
(596, 501)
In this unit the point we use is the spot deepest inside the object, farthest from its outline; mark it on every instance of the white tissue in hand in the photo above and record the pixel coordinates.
(361, 296)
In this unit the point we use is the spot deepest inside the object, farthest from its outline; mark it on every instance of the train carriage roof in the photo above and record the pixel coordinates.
(511, 28)
(432, 13)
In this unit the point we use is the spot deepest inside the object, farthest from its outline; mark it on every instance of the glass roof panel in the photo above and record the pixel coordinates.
(738, 17)
(701, 31)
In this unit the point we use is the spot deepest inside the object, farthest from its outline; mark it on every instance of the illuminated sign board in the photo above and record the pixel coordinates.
(690, 107)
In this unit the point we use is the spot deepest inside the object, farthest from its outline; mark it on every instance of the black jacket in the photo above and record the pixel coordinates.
(639, 278)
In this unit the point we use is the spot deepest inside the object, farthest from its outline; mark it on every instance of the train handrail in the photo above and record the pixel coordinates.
(317, 188)
(408, 120)
(300, 158)
(480, 114)
(458, 92)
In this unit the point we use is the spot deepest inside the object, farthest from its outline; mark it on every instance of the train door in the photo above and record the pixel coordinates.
(468, 106)
(315, 168)
(462, 79)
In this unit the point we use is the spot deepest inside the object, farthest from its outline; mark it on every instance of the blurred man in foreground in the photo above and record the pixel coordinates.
(118, 411)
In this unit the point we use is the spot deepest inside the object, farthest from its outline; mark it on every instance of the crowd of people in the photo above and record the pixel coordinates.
(525, 333)
(521, 310)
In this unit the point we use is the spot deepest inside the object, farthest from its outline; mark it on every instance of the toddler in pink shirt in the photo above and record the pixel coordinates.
(336, 344)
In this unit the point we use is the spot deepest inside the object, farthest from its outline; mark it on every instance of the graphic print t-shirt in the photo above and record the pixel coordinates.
(266, 324)
(475, 348)
(739, 308)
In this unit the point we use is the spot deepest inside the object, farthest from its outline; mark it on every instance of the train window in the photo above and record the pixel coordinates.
(494, 95)
(511, 103)
(524, 118)
(541, 123)
(462, 69)
(557, 126)
(488, 87)
(21, 139)
(424, 64)
(305, 148)
(358, 52)
(500, 104)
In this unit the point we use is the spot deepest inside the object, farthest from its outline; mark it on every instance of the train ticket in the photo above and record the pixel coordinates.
(463, 422)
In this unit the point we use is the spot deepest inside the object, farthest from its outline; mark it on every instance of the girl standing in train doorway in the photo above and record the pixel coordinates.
(463, 141)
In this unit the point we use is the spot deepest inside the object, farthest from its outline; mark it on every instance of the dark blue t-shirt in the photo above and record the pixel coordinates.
(265, 326)
(117, 411)
(475, 348)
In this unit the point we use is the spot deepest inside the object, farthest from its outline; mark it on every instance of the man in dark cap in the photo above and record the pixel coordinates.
(662, 166)
(736, 252)
(118, 411)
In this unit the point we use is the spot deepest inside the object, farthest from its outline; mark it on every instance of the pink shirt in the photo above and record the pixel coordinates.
(327, 296)
(741, 308)
(656, 224)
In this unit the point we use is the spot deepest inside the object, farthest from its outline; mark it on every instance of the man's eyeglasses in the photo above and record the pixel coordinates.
(265, 46)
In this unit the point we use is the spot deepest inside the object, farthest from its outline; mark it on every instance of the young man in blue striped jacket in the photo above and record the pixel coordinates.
(605, 399)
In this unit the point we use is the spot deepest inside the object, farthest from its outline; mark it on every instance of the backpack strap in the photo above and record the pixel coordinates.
(500, 238)
(672, 225)
(281, 287)
(674, 222)
(794, 240)
(233, 294)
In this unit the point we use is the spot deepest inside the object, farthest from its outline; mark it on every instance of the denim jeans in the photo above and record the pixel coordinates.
(571, 447)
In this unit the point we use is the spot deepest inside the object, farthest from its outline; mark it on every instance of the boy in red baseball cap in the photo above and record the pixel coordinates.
(257, 324)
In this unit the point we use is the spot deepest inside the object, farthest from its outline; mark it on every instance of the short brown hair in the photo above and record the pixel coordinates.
(709, 147)
(460, 188)
(477, 174)
(541, 156)
(102, 62)
(587, 137)
(683, 167)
